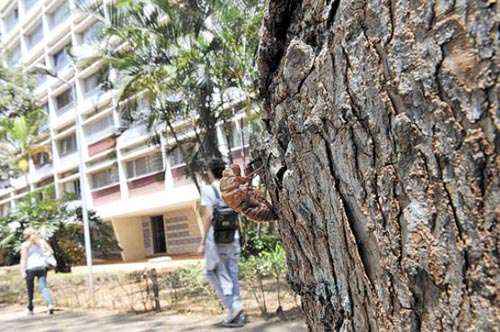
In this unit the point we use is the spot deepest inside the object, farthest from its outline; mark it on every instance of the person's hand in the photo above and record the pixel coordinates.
(201, 248)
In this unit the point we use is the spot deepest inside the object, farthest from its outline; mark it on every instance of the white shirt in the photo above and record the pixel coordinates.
(209, 200)
(35, 257)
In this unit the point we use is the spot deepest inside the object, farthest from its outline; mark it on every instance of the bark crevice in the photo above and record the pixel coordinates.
(385, 117)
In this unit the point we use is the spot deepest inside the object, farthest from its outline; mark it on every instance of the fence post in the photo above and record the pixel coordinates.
(156, 290)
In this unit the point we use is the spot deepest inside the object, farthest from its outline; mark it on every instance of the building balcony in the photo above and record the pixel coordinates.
(73, 205)
(41, 172)
(59, 35)
(42, 84)
(86, 50)
(65, 115)
(65, 109)
(157, 203)
(95, 98)
(35, 52)
(19, 182)
(68, 161)
(132, 135)
(11, 33)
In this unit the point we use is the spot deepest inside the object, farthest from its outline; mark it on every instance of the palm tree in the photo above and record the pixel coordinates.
(19, 141)
(21, 119)
(183, 57)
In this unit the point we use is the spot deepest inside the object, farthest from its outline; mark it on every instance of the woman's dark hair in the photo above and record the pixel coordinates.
(216, 166)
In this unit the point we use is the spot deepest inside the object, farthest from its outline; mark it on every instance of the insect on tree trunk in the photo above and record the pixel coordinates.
(382, 121)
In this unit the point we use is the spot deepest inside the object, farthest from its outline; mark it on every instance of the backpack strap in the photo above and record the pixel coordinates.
(216, 192)
(219, 201)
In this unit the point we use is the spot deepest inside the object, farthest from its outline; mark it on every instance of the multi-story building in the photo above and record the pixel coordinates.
(142, 189)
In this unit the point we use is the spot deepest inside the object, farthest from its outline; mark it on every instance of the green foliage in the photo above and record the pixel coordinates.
(258, 238)
(21, 118)
(187, 59)
(42, 214)
(102, 234)
(255, 269)
(18, 141)
(16, 93)
(57, 222)
(275, 261)
(186, 282)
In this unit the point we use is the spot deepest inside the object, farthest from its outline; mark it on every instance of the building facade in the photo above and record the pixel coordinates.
(142, 189)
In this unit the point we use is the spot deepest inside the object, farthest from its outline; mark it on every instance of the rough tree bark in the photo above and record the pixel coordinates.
(382, 160)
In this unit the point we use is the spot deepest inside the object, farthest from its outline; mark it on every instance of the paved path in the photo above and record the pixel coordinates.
(105, 321)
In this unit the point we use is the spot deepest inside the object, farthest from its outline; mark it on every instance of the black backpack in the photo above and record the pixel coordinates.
(224, 221)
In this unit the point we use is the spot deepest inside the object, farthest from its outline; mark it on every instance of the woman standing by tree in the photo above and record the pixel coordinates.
(34, 251)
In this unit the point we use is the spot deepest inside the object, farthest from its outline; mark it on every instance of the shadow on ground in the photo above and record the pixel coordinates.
(105, 321)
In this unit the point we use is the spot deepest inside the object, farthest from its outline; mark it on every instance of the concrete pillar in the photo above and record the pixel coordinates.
(130, 237)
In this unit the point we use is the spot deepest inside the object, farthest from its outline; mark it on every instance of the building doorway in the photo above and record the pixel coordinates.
(158, 230)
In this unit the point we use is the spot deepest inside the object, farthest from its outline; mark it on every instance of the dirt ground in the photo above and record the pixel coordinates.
(15, 319)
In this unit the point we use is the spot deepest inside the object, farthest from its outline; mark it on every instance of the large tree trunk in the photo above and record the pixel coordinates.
(382, 160)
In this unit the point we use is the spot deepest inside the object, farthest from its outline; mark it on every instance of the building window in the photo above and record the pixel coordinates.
(144, 165)
(97, 127)
(61, 59)
(67, 145)
(236, 136)
(175, 158)
(11, 20)
(28, 4)
(41, 159)
(72, 188)
(40, 79)
(93, 84)
(35, 36)
(231, 134)
(60, 15)
(105, 177)
(91, 34)
(14, 56)
(44, 128)
(244, 132)
(64, 101)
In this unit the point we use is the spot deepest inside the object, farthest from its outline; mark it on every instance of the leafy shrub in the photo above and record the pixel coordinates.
(258, 238)
(58, 223)
(255, 269)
